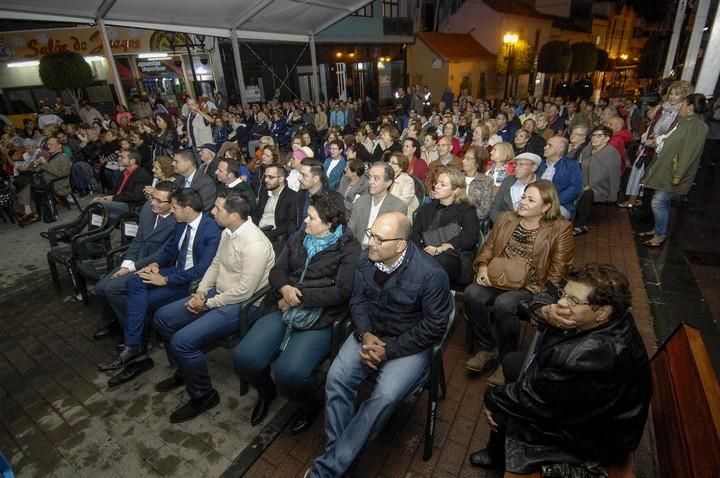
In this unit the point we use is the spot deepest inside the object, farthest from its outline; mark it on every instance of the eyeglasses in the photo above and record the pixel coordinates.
(572, 301)
(597, 135)
(379, 240)
(268, 176)
(158, 201)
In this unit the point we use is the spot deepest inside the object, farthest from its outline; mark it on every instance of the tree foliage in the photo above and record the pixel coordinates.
(603, 61)
(584, 57)
(65, 71)
(554, 57)
(523, 57)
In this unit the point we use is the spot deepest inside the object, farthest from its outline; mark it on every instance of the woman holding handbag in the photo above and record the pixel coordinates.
(447, 227)
(311, 284)
(525, 252)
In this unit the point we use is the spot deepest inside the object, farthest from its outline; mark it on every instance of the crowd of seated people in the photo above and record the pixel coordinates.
(343, 215)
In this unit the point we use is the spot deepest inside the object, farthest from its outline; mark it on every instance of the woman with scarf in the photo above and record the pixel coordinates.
(663, 121)
(311, 284)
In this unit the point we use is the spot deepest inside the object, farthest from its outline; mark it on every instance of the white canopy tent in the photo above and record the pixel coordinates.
(267, 20)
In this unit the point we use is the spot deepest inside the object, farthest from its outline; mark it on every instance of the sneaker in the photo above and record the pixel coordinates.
(497, 378)
(481, 360)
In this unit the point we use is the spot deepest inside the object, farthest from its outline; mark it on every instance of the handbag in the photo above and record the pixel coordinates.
(441, 235)
(299, 317)
(508, 274)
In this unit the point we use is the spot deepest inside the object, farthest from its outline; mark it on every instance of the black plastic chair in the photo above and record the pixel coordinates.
(93, 269)
(91, 221)
(436, 385)
(51, 196)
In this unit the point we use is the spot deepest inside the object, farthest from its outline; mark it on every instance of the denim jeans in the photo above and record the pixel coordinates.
(142, 300)
(347, 431)
(661, 204)
(185, 334)
(113, 208)
(294, 366)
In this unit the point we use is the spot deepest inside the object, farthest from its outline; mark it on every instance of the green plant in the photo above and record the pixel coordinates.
(554, 57)
(584, 57)
(65, 71)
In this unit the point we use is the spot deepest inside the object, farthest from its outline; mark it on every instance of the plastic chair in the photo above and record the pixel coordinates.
(92, 219)
(436, 385)
(420, 192)
(90, 268)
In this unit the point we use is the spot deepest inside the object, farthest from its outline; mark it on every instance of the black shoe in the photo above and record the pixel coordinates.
(131, 371)
(194, 407)
(107, 331)
(483, 459)
(126, 355)
(303, 420)
(45, 235)
(260, 410)
(170, 383)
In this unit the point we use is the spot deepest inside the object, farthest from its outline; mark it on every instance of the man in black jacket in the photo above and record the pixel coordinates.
(131, 192)
(400, 308)
(276, 212)
(581, 397)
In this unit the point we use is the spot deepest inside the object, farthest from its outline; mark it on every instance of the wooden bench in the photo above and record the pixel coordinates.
(685, 411)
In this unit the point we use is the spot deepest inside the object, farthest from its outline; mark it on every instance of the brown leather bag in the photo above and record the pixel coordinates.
(508, 274)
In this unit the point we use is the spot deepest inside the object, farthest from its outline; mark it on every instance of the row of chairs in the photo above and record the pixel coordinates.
(99, 246)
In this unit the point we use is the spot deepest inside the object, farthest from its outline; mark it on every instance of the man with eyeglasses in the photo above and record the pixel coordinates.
(400, 307)
(276, 213)
(512, 188)
(154, 228)
(579, 398)
(445, 159)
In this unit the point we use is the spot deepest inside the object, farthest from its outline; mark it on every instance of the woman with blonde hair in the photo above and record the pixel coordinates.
(501, 164)
(661, 125)
(493, 136)
(527, 251)
(447, 227)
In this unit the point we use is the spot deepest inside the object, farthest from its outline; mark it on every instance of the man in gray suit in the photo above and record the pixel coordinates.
(154, 229)
(512, 188)
(186, 166)
(376, 201)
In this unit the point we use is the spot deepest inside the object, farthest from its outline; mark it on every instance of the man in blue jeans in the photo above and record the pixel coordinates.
(240, 268)
(400, 307)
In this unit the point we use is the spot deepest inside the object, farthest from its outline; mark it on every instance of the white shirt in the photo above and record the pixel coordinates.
(268, 217)
(234, 183)
(293, 180)
(549, 170)
(192, 229)
(333, 165)
(189, 179)
(374, 210)
(517, 190)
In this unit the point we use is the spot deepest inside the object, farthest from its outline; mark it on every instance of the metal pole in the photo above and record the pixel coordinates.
(710, 68)
(691, 57)
(316, 81)
(677, 27)
(117, 84)
(238, 67)
(192, 68)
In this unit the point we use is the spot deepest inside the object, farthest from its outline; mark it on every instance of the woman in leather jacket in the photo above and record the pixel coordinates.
(580, 400)
(314, 271)
(536, 236)
(164, 142)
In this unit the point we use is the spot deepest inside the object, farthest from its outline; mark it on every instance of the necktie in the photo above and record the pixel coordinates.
(158, 221)
(182, 256)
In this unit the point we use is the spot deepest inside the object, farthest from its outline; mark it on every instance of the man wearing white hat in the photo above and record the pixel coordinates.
(512, 188)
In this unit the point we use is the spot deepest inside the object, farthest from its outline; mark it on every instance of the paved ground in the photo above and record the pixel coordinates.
(460, 428)
(57, 418)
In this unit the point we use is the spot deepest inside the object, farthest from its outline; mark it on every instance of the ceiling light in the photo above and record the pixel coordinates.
(20, 64)
(152, 55)
(94, 58)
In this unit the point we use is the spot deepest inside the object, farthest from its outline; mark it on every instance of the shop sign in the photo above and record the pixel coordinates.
(155, 68)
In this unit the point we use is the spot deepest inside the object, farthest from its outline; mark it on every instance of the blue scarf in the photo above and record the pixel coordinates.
(315, 245)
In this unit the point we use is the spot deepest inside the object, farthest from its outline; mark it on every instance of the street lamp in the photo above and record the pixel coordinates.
(509, 39)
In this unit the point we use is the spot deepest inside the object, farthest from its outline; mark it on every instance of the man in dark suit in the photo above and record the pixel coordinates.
(375, 202)
(183, 260)
(512, 188)
(312, 182)
(276, 213)
(185, 165)
(154, 229)
(209, 160)
(228, 174)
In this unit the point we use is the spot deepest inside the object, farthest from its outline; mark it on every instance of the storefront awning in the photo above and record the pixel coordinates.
(266, 20)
